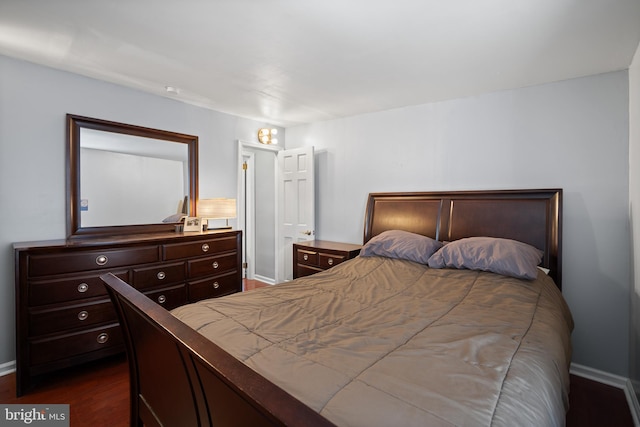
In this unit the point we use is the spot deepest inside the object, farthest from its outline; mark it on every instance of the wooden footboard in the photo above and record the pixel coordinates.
(179, 378)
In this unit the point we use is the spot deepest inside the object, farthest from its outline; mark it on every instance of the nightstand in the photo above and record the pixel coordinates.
(318, 255)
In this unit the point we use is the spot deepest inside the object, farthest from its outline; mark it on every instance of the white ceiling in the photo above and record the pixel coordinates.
(288, 62)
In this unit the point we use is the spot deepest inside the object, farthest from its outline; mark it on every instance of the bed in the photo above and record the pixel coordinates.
(452, 315)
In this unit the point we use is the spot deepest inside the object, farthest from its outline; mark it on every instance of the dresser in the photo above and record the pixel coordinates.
(63, 314)
(317, 255)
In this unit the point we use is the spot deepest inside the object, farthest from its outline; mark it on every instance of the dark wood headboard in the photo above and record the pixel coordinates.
(529, 216)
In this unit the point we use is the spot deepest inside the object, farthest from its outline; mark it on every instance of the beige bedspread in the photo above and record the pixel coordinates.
(382, 342)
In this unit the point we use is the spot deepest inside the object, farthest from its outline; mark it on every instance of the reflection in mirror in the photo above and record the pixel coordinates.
(128, 179)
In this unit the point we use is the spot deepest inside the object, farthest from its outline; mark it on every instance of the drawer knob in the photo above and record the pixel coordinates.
(161, 275)
(330, 261)
(305, 257)
(103, 338)
(205, 247)
(83, 315)
(101, 259)
(215, 264)
(83, 287)
(162, 299)
(216, 285)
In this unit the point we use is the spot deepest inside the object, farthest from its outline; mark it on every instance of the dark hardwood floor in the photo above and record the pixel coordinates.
(248, 285)
(596, 404)
(98, 395)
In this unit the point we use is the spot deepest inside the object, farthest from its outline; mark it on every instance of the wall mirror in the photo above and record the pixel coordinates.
(124, 179)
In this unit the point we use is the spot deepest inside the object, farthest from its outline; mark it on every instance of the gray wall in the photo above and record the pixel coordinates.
(33, 104)
(571, 134)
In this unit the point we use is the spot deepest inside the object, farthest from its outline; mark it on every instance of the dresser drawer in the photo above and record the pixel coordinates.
(213, 287)
(43, 265)
(170, 297)
(49, 320)
(157, 275)
(307, 257)
(212, 265)
(69, 289)
(210, 246)
(68, 345)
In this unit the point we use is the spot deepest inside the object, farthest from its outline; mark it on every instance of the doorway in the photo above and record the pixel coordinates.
(258, 210)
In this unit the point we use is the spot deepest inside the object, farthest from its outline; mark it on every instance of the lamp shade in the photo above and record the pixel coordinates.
(219, 208)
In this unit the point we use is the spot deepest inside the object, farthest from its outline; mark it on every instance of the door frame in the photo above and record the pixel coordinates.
(247, 214)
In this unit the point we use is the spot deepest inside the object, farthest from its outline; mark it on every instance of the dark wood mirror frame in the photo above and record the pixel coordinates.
(74, 125)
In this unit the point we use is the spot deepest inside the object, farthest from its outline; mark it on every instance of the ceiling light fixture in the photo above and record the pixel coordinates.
(265, 136)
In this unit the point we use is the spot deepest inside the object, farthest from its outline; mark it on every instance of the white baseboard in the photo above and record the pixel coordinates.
(615, 381)
(263, 279)
(7, 368)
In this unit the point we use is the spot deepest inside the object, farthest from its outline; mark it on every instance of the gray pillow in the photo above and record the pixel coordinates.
(401, 245)
(502, 256)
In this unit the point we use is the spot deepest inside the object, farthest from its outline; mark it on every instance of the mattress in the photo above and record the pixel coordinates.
(377, 341)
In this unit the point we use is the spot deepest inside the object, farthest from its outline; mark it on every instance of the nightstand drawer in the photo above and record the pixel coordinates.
(307, 257)
(306, 270)
(319, 255)
(329, 260)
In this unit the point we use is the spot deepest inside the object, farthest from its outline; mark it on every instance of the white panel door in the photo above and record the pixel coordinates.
(296, 196)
